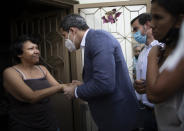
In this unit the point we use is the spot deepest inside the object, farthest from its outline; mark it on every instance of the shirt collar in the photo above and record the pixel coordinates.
(83, 42)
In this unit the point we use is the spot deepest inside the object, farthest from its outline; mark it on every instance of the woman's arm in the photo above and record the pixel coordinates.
(162, 86)
(14, 84)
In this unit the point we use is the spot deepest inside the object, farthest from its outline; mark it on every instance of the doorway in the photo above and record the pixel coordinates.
(41, 19)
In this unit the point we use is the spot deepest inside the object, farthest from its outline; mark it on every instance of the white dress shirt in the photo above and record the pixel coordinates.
(141, 69)
(82, 45)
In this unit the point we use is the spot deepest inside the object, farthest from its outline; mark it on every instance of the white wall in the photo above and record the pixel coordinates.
(96, 1)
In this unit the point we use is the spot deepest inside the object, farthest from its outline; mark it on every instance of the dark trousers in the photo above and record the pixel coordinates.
(4, 122)
(146, 119)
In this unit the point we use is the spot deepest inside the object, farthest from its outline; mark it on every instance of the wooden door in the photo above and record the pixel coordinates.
(53, 55)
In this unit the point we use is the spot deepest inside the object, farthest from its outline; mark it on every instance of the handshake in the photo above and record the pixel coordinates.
(69, 88)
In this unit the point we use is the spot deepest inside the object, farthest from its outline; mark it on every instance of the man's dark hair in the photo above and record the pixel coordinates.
(73, 20)
(16, 47)
(143, 18)
(175, 7)
(132, 21)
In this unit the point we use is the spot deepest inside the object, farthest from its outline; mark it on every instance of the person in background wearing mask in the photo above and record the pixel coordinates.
(137, 50)
(166, 66)
(106, 83)
(143, 34)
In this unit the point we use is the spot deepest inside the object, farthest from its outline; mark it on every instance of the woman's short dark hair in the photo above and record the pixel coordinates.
(175, 7)
(73, 20)
(16, 47)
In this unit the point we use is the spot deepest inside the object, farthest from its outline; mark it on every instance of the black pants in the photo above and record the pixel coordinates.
(4, 122)
(146, 119)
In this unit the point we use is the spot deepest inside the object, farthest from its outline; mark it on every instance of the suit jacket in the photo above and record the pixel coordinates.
(107, 86)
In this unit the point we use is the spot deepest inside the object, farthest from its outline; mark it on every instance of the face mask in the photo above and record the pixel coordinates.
(172, 36)
(69, 44)
(139, 37)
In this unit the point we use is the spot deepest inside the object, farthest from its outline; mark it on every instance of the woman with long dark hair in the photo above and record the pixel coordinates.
(166, 65)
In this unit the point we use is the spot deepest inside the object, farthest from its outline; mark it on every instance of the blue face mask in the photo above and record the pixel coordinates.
(139, 37)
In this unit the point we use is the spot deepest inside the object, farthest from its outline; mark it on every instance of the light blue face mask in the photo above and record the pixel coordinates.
(139, 37)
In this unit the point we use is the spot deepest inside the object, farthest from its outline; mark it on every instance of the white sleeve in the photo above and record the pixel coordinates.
(76, 96)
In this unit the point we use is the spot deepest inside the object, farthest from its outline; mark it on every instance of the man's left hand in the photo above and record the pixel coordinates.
(140, 86)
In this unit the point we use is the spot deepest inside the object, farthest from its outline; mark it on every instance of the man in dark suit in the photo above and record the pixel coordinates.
(106, 83)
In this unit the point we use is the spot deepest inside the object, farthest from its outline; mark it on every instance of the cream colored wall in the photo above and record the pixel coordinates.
(96, 1)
